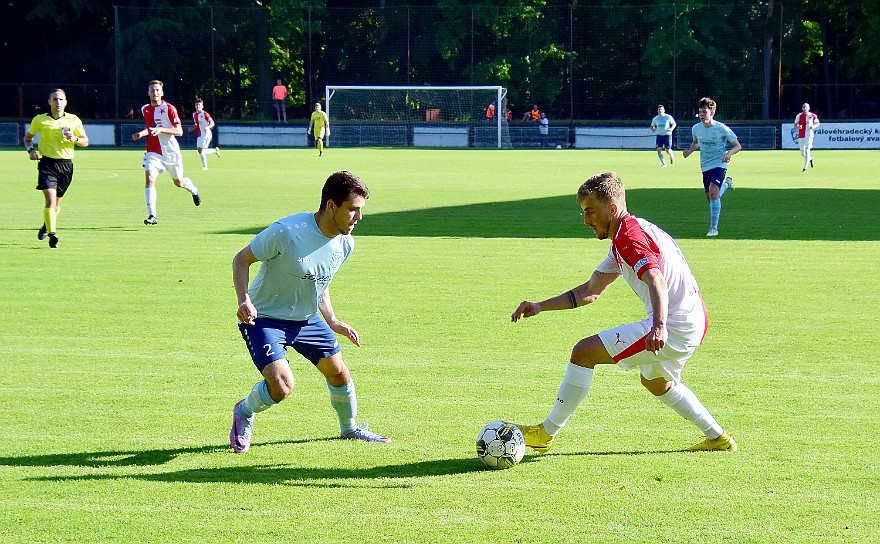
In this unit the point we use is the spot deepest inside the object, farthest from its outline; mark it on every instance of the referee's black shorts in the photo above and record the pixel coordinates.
(54, 174)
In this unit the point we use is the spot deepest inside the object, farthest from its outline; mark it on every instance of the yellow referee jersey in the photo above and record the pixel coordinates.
(52, 143)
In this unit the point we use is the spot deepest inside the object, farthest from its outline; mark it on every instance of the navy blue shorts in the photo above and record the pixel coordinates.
(714, 175)
(268, 339)
(664, 142)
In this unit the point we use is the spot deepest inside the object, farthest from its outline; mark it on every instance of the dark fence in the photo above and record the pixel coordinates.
(583, 63)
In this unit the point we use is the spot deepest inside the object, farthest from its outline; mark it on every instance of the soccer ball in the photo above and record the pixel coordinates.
(559, 146)
(500, 445)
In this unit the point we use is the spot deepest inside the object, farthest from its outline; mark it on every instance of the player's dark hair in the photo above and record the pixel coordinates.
(341, 186)
(58, 90)
(708, 102)
(606, 187)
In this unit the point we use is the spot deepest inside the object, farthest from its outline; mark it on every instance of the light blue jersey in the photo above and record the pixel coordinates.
(298, 262)
(662, 124)
(713, 144)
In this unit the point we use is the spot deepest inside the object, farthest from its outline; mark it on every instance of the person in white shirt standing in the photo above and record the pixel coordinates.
(805, 123)
(163, 151)
(202, 125)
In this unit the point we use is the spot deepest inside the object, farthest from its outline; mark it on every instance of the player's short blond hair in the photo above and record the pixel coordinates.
(607, 187)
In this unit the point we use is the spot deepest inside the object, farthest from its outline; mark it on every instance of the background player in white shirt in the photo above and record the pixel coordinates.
(654, 267)
(202, 125)
(805, 123)
(163, 151)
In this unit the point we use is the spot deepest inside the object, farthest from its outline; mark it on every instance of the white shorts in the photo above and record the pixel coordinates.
(626, 345)
(160, 163)
(204, 140)
(806, 143)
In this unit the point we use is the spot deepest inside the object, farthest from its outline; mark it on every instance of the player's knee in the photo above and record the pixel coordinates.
(281, 387)
(336, 373)
(657, 386)
(589, 352)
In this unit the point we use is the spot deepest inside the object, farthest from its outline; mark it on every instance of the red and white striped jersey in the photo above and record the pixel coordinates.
(202, 120)
(162, 114)
(639, 245)
(805, 123)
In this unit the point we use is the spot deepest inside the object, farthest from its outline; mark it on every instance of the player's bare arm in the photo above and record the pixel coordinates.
(176, 130)
(337, 326)
(585, 293)
(241, 265)
(694, 146)
(658, 289)
(138, 135)
(737, 147)
(29, 146)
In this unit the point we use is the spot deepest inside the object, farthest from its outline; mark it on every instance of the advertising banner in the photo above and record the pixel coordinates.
(836, 136)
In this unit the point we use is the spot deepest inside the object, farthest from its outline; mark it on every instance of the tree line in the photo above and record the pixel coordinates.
(595, 59)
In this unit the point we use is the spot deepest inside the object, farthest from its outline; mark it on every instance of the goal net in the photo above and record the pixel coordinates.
(417, 116)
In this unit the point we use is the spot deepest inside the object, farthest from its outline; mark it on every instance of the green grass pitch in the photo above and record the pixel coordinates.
(121, 358)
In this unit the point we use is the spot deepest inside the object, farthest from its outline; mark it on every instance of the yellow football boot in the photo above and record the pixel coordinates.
(536, 437)
(722, 443)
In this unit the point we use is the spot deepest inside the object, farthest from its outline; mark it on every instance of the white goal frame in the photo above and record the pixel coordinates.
(500, 92)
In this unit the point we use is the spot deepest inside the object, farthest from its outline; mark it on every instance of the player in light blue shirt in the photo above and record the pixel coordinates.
(711, 138)
(300, 254)
(663, 125)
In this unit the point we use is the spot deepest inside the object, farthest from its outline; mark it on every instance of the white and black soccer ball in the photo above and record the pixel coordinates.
(500, 445)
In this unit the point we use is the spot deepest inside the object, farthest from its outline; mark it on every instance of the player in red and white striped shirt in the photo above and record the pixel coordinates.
(806, 122)
(163, 151)
(202, 125)
(653, 265)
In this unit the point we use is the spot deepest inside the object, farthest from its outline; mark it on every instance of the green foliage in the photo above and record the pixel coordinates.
(576, 59)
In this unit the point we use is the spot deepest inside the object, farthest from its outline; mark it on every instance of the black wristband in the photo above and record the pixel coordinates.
(572, 299)
(30, 150)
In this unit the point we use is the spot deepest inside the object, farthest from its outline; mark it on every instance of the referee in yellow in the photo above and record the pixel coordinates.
(59, 132)
(319, 125)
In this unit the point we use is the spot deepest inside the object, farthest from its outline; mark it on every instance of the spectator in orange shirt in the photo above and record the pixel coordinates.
(533, 116)
(279, 95)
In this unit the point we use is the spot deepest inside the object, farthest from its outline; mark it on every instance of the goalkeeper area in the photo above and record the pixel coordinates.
(426, 116)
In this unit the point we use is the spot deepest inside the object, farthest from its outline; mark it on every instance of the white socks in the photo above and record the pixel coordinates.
(189, 186)
(572, 391)
(150, 194)
(687, 405)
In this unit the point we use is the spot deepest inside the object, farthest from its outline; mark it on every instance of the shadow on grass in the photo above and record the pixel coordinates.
(274, 474)
(269, 474)
(748, 214)
(125, 458)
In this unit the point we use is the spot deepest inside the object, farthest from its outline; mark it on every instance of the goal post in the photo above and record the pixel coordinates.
(429, 116)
